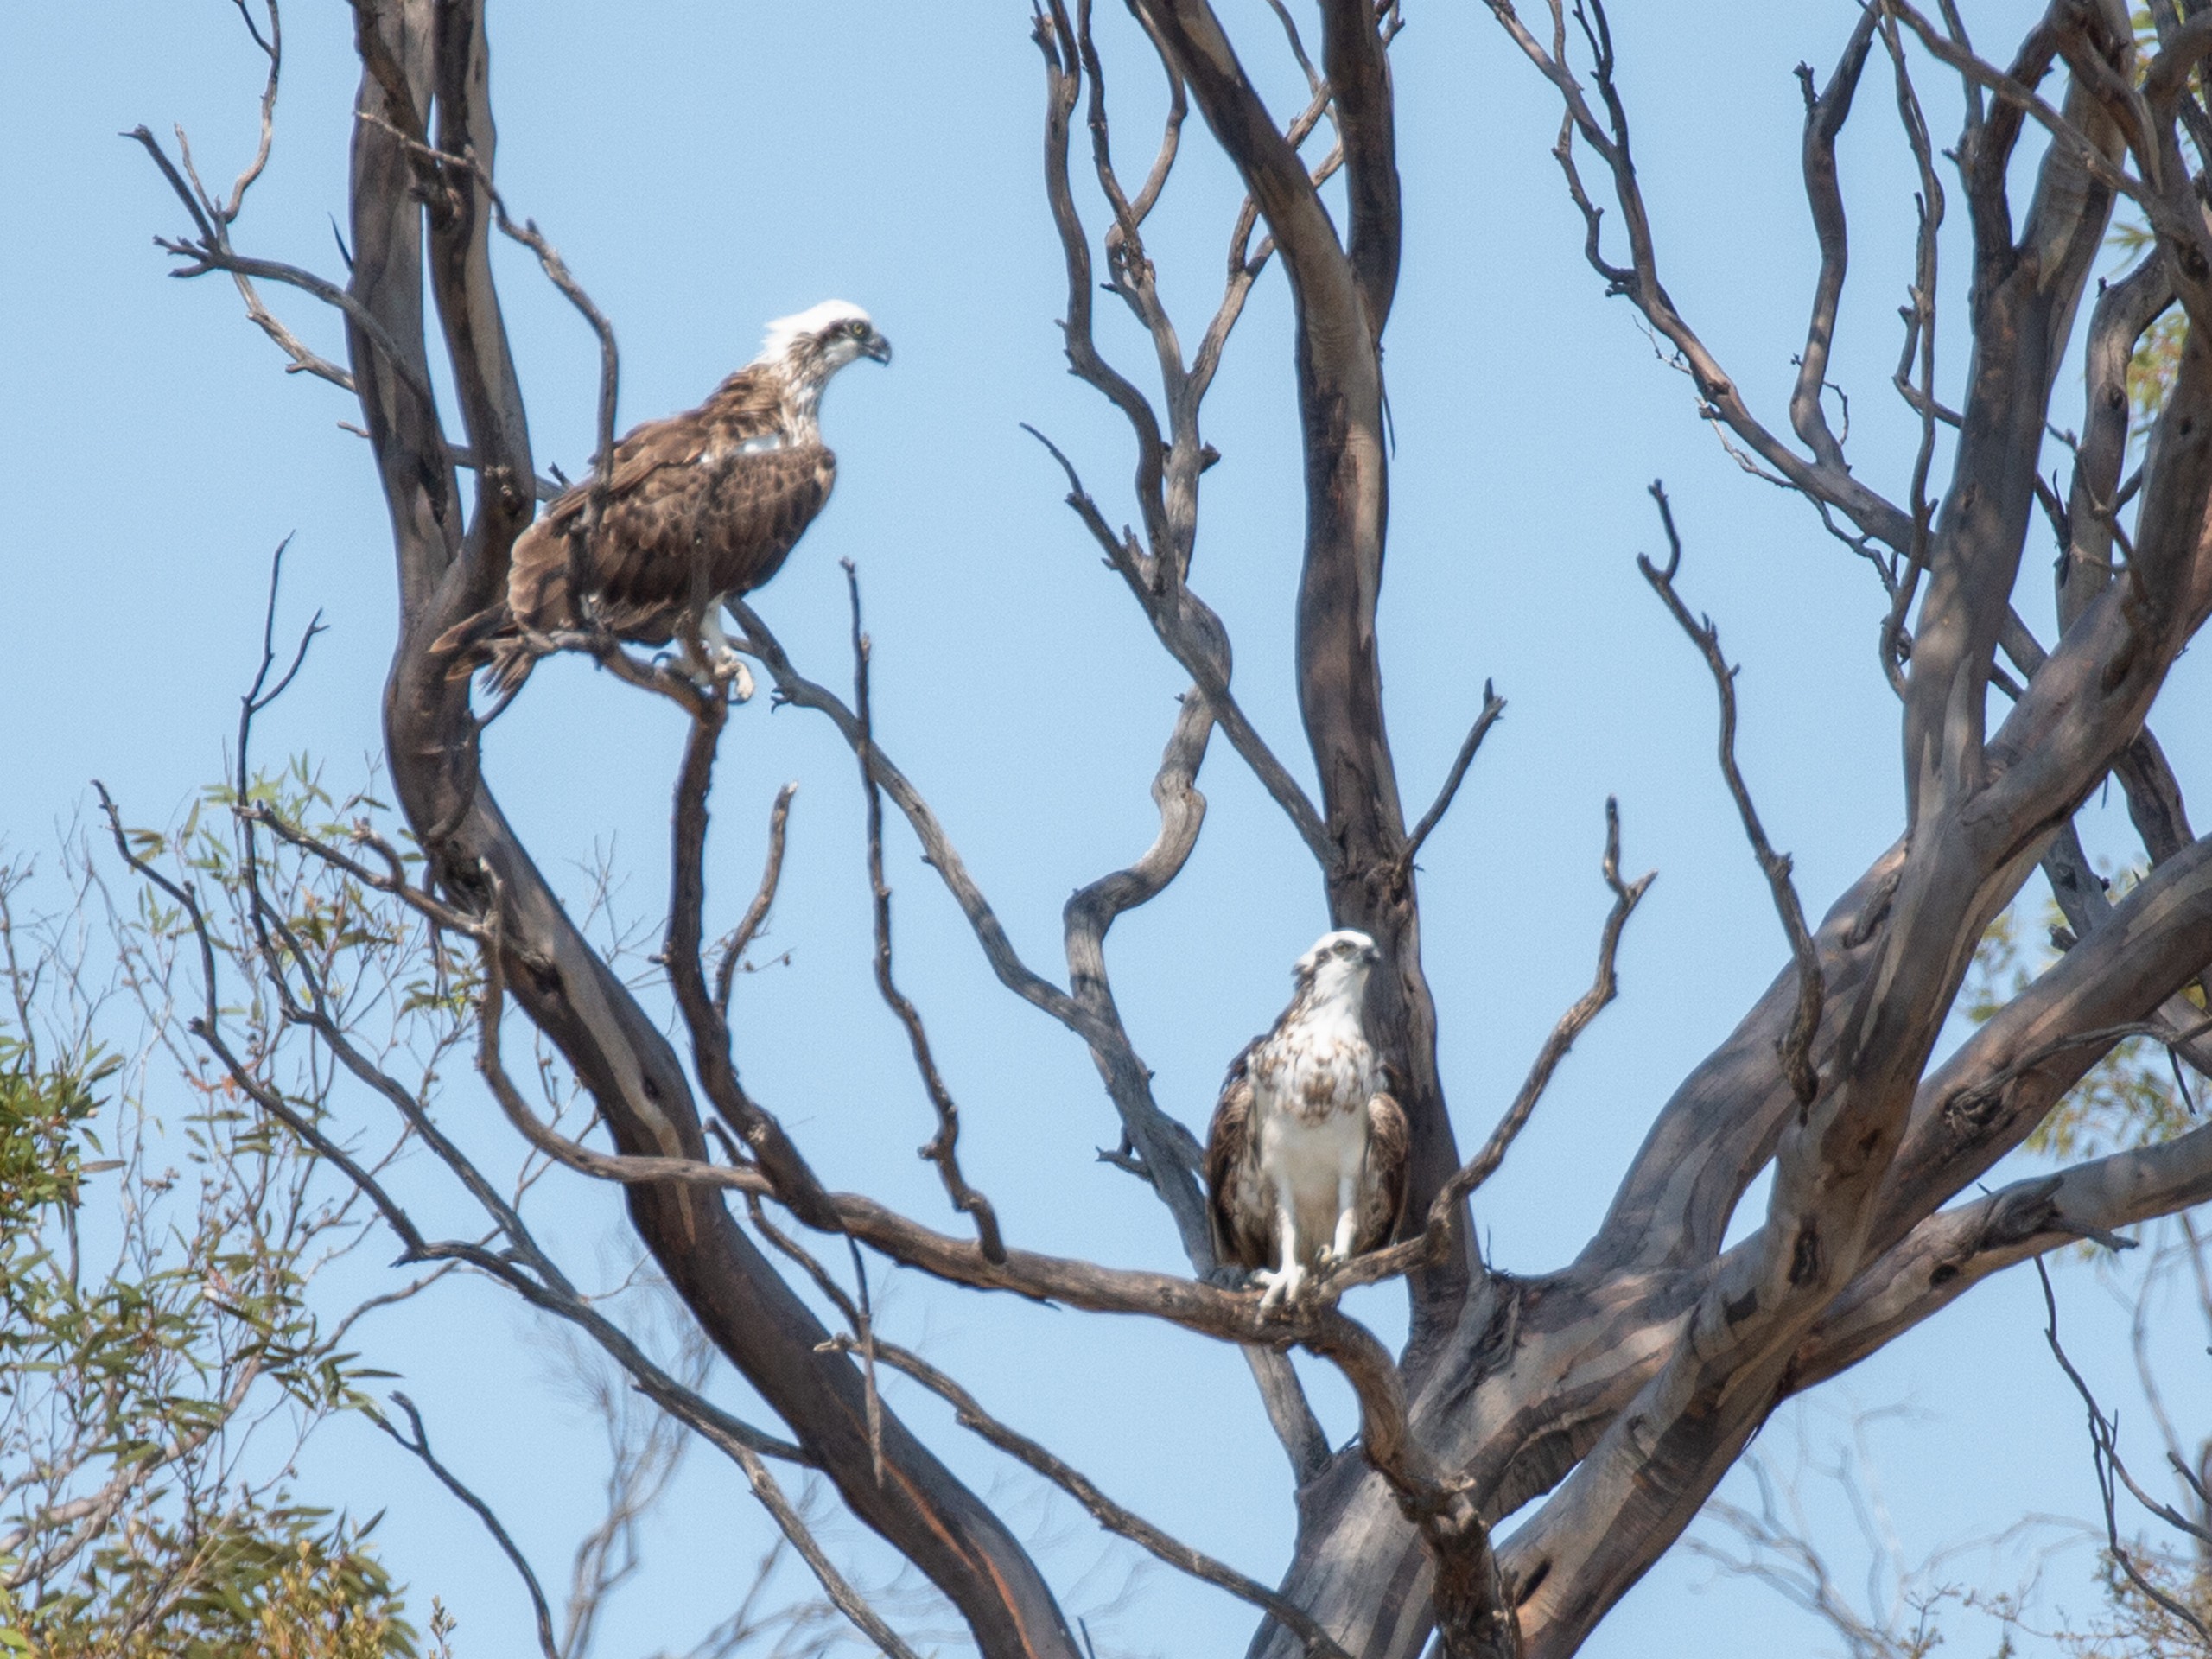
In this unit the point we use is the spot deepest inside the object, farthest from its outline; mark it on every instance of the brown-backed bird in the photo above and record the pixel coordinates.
(701, 507)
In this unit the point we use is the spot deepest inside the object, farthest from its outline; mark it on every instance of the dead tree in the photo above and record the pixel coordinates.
(1619, 1388)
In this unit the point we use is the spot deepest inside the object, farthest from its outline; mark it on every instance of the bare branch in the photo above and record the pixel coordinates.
(1825, 116)
(1797, 1047)
(1920, 335)
(942, 1148)
(1721, 400)
(418, 1443)
(1431, 1239)
(756, 912)
(1493, 707)
(1193, 636)
(1109, 1515)
(2104, 1446)
(213, 252)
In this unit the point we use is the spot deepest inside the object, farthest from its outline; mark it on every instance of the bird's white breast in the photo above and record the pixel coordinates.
(1315, 1066)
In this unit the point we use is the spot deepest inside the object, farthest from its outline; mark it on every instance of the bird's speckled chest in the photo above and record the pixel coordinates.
(1315, 1068)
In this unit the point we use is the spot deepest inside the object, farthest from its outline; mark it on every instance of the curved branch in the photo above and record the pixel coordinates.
(1805, 1022)
(419, 1444)
(942, 1148)
(1109, 1515)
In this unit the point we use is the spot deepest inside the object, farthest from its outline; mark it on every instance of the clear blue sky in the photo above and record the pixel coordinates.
(706, 167)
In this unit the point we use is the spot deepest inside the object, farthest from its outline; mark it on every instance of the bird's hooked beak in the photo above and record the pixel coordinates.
(1372, 955)
(877, 347)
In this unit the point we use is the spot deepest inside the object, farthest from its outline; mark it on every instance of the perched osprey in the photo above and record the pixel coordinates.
(1306, 1161)
(701, 506)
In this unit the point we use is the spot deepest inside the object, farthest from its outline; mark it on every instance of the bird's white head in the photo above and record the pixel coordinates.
(1336, 968)
(815, 343)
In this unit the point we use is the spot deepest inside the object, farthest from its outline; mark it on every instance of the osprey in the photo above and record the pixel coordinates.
(1305, 1161)
(701, 507)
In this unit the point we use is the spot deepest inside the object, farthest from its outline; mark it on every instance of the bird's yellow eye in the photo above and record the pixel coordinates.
(857, 329)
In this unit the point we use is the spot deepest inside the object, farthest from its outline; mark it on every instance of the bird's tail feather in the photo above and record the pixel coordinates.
(466, 641)
(491, 641)
(507, 665)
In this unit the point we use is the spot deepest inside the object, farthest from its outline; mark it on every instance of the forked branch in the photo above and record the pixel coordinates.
(418, 1442)
(2104, 1450)
(764, 897)
(1109, 1515)
(1493, 708)
(942, 1148)
(1805, 1022)
(1432, 1242)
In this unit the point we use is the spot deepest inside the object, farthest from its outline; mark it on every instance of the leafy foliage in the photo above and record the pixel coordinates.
(160, 1361)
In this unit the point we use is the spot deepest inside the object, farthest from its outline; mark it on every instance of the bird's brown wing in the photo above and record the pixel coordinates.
(1234, 1204)
(759, 508)
(679, 532)
(1382, 1194)
(673, 440)
(655, 467)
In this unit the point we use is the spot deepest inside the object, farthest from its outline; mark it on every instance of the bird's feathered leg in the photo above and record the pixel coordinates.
(721, 666)
(1287, 1280)
(723, 663)
(1339, 1250)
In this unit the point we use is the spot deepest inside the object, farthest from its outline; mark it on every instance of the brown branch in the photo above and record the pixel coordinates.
(626, 1169)
(1952, 1250)
(1920, 334)
(526, 233)
(969, 1415)
(1193, 636)
(1356, 60)
(1825, 115)
(1057, 39)
(1992, 1087)
(1432, 1241)
(447, 169)
(859, 1316)
(1493, 707)
(215, 219)
(418, 1443)
(213, 252)
(1638, 281)
(942, 1148)
(1804, 1025)
(937, 849)
(1245, 261)
(2104, 1449)
(2017, 96)
(643, 1091)
(772, 875)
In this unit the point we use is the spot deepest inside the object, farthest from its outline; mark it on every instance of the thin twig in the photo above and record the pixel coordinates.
(859, 1316)
(420, 1445)
(1193, 636)
(2104, 1451)
(1434, 1239)
(1805, 1022)
(1993, 1085)
(1920, 334)
(1493, 707)
(214, 251)
(1109, 1515)
(942, 1148)
(763, 897)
